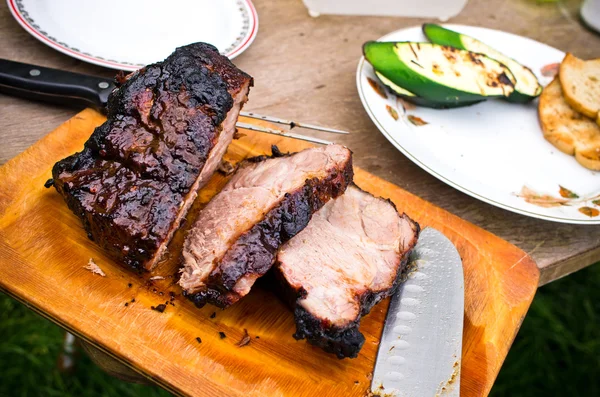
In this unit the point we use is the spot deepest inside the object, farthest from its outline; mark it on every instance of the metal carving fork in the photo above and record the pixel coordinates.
(62, 87)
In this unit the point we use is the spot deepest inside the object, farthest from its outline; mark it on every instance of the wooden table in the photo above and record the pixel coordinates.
(304, 69)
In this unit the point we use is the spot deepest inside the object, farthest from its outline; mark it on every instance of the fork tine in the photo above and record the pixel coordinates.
(253, 127)
(292, 124)
(319, 128)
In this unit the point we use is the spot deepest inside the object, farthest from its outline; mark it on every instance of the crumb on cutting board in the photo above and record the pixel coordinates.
(94, 268)
(156, 278)
(226, 168)
(245, 339)
(159, 308)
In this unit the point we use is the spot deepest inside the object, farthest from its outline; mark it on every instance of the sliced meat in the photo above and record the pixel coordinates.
(348, 258)
(268, 201)
(168, 127)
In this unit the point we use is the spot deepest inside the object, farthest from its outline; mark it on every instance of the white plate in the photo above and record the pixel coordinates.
(492, 150)
(127, 35)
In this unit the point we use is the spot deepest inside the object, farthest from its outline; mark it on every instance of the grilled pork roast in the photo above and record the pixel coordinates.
(348, 258)
(168, 126)
(235, 239)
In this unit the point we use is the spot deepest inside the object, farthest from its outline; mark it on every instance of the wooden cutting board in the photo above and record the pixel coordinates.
(43, 251)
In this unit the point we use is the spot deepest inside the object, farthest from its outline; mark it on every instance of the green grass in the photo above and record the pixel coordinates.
(29, 348)
(557, 351)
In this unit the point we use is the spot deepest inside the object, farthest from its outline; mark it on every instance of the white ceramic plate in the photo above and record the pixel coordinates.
(127, 35)
(495, 150)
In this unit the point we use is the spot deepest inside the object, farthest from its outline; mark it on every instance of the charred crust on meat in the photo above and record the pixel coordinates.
(121, 77)
(343, 339)
(49, 183)
(275, 153)
(302, 293)
(254, 251)
(213, 295)
(344, 342)
(134, 172)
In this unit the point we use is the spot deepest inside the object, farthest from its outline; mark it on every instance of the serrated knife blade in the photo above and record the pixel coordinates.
(420, 350)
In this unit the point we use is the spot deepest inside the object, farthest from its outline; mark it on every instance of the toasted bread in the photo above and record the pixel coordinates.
(580, 81)
(568, 130)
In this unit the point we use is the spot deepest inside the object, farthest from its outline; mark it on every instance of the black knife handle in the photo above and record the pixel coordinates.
(53, 85)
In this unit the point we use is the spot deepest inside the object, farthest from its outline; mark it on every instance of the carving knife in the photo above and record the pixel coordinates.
(420, 350)
(68, 88)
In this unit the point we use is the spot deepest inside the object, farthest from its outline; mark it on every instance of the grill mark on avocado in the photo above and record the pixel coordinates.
(413, 51)
(416, 63)
(503, 78)
(449, 54)
(447, 69)
(475, 59)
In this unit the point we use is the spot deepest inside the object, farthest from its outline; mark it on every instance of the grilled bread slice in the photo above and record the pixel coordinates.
(568, 130)
(580, 81)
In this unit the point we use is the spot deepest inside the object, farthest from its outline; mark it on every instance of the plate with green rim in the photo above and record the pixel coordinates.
(494, 150)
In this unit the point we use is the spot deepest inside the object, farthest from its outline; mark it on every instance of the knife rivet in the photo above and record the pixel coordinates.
(103, 85)
(34, 72)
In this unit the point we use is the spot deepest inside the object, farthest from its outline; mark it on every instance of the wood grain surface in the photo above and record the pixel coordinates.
(43, 251)
(304, 69)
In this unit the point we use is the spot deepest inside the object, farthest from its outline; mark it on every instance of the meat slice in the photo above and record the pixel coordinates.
(348, 258)
(268, 200)
(168, 126)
